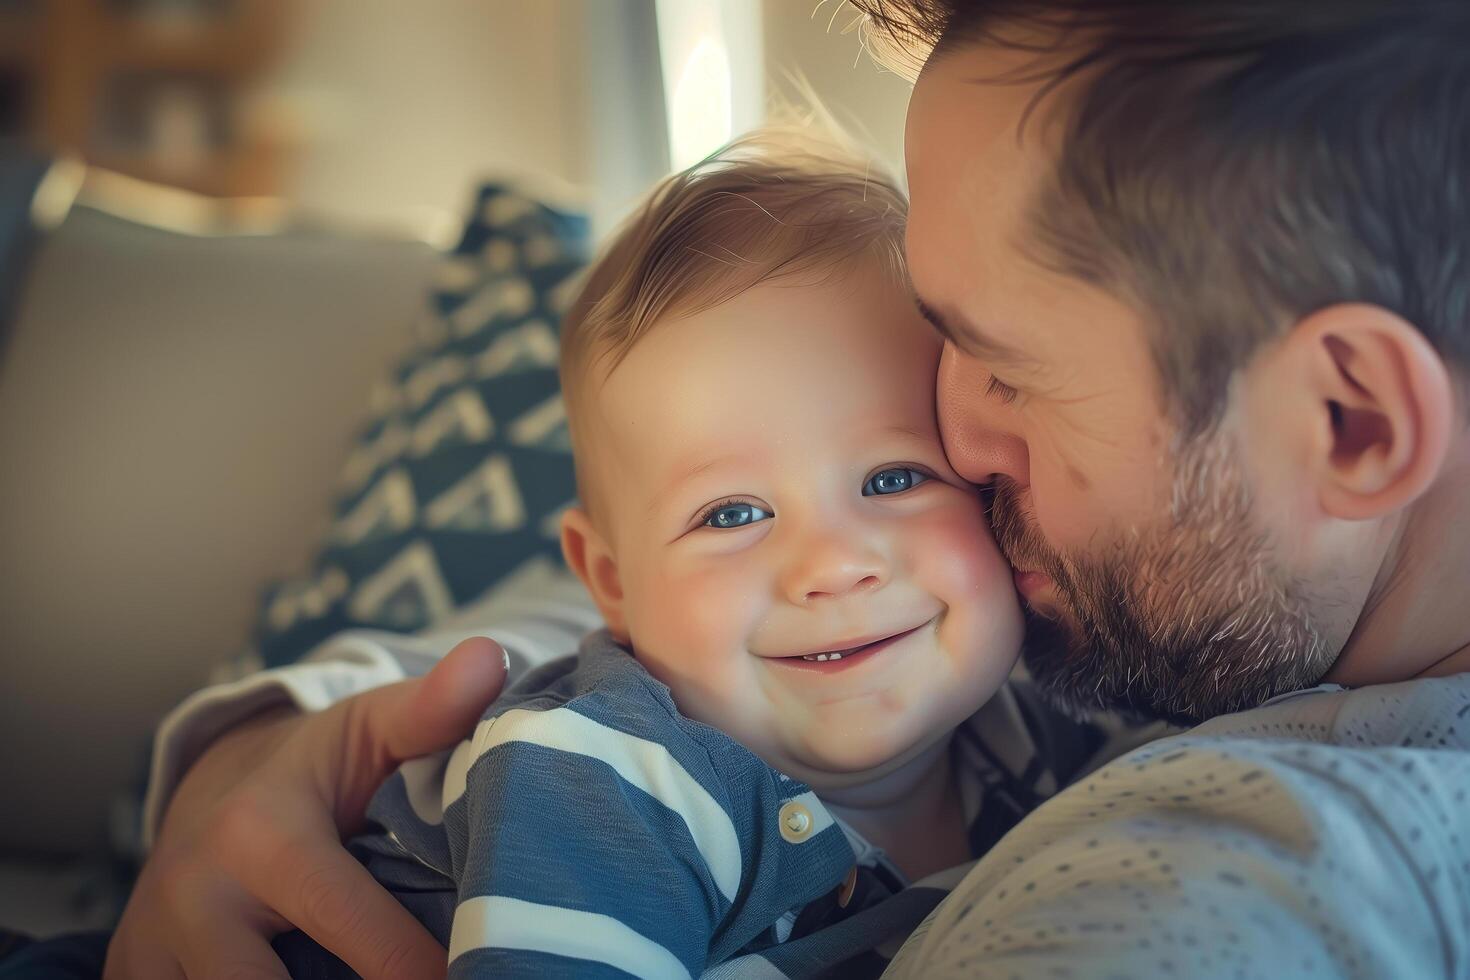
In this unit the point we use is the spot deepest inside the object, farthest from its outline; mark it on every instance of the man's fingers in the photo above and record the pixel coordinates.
(127, 960)
(374, 731)
(225, 951)
(449, 700)
(327, 894)
(262, 845)
(304, 875)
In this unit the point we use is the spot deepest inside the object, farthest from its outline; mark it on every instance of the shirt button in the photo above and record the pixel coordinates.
(796, 822)
(848, 886)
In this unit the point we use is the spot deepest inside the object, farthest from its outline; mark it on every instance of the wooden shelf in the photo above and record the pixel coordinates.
(71, 58)
(241, 46)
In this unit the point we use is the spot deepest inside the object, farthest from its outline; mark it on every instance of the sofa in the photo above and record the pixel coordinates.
(175, 410)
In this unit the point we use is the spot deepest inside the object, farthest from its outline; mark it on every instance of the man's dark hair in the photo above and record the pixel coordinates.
(1230, 166)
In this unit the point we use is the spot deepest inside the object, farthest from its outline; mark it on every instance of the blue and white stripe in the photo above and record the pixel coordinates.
(587, 822)
(589, 829)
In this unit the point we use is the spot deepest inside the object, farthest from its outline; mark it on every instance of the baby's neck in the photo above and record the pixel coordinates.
(913, 813)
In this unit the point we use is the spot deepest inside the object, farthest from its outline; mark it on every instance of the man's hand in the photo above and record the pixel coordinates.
(251, 843)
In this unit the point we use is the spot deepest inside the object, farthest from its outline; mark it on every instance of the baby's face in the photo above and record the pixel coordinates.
(777, 495)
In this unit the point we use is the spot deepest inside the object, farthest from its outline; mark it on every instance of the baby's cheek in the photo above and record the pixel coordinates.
(955, 557)
(694, 633)
(722, 599)
(980, 632)
(699, 607)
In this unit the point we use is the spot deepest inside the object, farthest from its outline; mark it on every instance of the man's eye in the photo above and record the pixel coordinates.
(734, 515)
(997, 388)
(894, 480)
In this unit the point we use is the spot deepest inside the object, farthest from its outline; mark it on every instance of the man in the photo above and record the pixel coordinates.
(1202, 268)
(1204, 274)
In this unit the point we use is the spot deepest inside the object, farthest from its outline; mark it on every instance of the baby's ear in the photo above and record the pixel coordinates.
(589, 556)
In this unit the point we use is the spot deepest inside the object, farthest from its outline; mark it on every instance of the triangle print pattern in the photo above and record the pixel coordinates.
(464, 466)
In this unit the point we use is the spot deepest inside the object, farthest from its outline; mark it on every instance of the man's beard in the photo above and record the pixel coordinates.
(1184, 620)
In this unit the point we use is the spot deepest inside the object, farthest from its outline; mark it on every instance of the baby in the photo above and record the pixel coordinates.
(776, 735)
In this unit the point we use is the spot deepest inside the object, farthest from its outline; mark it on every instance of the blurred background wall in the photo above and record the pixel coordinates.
(182, 375)
(396, 111)
(355, 65)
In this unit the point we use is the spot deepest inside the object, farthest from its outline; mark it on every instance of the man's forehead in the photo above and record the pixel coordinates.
(973, 169)
(972, 92)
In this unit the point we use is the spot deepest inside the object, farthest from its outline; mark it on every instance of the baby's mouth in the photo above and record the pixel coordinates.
(853, 652)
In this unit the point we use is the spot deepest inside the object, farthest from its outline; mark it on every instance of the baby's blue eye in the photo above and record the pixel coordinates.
(735, 515)
(895, 480)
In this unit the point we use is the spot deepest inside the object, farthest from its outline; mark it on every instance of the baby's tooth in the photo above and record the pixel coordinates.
(822, 657)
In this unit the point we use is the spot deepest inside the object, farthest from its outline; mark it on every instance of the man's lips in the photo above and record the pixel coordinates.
(844, 656)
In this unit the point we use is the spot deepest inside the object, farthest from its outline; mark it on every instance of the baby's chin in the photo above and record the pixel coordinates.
(840, 760)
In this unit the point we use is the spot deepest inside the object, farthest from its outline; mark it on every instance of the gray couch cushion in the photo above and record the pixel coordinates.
(174, 413)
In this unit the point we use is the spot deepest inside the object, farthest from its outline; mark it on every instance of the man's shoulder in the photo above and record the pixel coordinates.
(1252, 834)
(1427, 712)
(1377, 751)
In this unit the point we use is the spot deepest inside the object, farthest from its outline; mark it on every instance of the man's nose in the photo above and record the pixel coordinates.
(832, 563)
(980, 437)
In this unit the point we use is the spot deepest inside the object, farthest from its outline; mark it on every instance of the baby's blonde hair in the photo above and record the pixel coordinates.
(776, 204)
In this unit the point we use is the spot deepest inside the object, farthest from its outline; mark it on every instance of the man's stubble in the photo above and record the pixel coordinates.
(1189, 618)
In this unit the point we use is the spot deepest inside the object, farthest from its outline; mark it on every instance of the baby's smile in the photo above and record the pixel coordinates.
(847, 654)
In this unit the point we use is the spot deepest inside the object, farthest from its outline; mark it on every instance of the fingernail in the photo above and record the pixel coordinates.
(505, 657)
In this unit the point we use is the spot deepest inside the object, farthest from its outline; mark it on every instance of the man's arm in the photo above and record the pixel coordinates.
(251, 841)
(532, 631)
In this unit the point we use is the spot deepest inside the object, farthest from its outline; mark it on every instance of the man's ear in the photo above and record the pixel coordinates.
(1385, 404)
(588, 555)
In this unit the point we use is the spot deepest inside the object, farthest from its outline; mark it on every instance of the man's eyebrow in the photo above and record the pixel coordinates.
(970, 339)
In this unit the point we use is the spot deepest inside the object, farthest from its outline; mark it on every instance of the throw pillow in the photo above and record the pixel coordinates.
(462, 474)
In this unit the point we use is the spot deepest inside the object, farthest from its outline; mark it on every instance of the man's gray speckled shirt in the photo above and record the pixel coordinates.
(1325, 834)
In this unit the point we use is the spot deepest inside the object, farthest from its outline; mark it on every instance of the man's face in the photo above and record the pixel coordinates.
(1151, 580)
(775, 491)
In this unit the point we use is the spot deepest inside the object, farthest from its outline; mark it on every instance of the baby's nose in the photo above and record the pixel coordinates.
(833, 567)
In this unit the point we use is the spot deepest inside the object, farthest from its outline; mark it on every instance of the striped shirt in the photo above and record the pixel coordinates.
(588, 828)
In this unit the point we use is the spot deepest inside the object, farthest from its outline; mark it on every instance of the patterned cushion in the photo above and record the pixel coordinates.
(465, 468)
